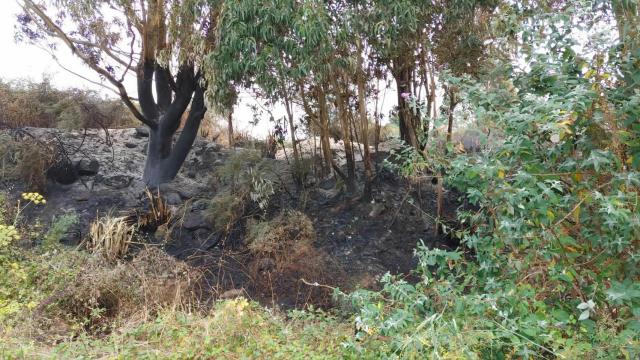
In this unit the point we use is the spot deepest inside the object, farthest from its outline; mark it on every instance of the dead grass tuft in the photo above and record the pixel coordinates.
(284, 254)
(156, 214)
(110, 237)
(26, 160)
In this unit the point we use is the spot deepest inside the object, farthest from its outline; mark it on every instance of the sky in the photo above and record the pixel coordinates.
(26, 61)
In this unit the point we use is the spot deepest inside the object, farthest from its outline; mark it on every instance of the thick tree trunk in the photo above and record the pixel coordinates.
(164, 156)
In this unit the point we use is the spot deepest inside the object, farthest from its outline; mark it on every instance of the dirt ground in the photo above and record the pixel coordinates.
(355, 242)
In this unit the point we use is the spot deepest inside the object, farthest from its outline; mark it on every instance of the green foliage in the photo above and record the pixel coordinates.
(552, 270)
(59, 228)
(232, 329)
(245, 179)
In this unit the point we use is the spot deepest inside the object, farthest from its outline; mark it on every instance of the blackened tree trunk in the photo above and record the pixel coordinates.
(166, 152)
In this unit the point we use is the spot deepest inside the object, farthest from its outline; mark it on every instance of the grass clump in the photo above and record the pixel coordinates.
(110, 237)
(284, 257)
(290, 235)
(26, 160)
(103, 297)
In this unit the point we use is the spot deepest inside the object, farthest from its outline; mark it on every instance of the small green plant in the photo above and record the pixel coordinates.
(58, 229)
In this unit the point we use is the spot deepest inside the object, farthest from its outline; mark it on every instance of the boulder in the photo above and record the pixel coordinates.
(63, 172)
(172, 198)
(118, 181)
(195, 220)
(87, 167)
(141, 132)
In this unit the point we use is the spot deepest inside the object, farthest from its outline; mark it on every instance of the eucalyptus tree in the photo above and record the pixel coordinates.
(157, 41)
(398, 32)
(270, 44)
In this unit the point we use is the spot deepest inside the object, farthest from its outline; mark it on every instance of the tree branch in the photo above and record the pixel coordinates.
(30, 6)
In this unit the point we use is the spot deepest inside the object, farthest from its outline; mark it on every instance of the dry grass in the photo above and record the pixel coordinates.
(26, 160)
(103, 297)
(110, 237)
(155, 215)
(284, 254)
(289, 235)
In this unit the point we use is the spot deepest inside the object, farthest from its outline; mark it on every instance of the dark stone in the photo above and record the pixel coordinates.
(142, 132)
(130, 145)
(81, 196)
(172, 198)
(210, 154)
(63, 172)
(87, 167)
(195, 220)
(118, 181)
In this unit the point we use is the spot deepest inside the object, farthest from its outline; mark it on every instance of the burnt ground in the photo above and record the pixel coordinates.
(355, 242)
(360, 240)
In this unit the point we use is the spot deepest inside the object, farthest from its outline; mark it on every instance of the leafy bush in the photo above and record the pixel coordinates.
(59, 228)
(244, 180)
(550, 261)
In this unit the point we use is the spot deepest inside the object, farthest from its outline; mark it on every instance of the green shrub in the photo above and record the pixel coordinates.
(59, 228)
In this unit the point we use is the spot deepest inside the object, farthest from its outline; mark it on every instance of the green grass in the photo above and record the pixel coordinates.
(233, 329)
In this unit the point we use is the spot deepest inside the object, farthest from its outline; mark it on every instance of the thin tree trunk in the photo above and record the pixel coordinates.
(346, 135)
(325, 142)
(364, 121)
(230, 129)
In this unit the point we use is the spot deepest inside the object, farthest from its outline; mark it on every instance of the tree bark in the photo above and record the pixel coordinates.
(230, 129)
(346, 136)
(364, 121)
(164, 157)
(407, 122)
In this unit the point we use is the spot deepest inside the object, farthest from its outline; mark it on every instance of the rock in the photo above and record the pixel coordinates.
(195, 220)
(233, 293)
(329, 194)
(141, 132)
(63, 172)
(118, 181)
(172, 198)
(87, 167)
(210, 154)
(81, 196)
(130, 145)
(376, 209)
